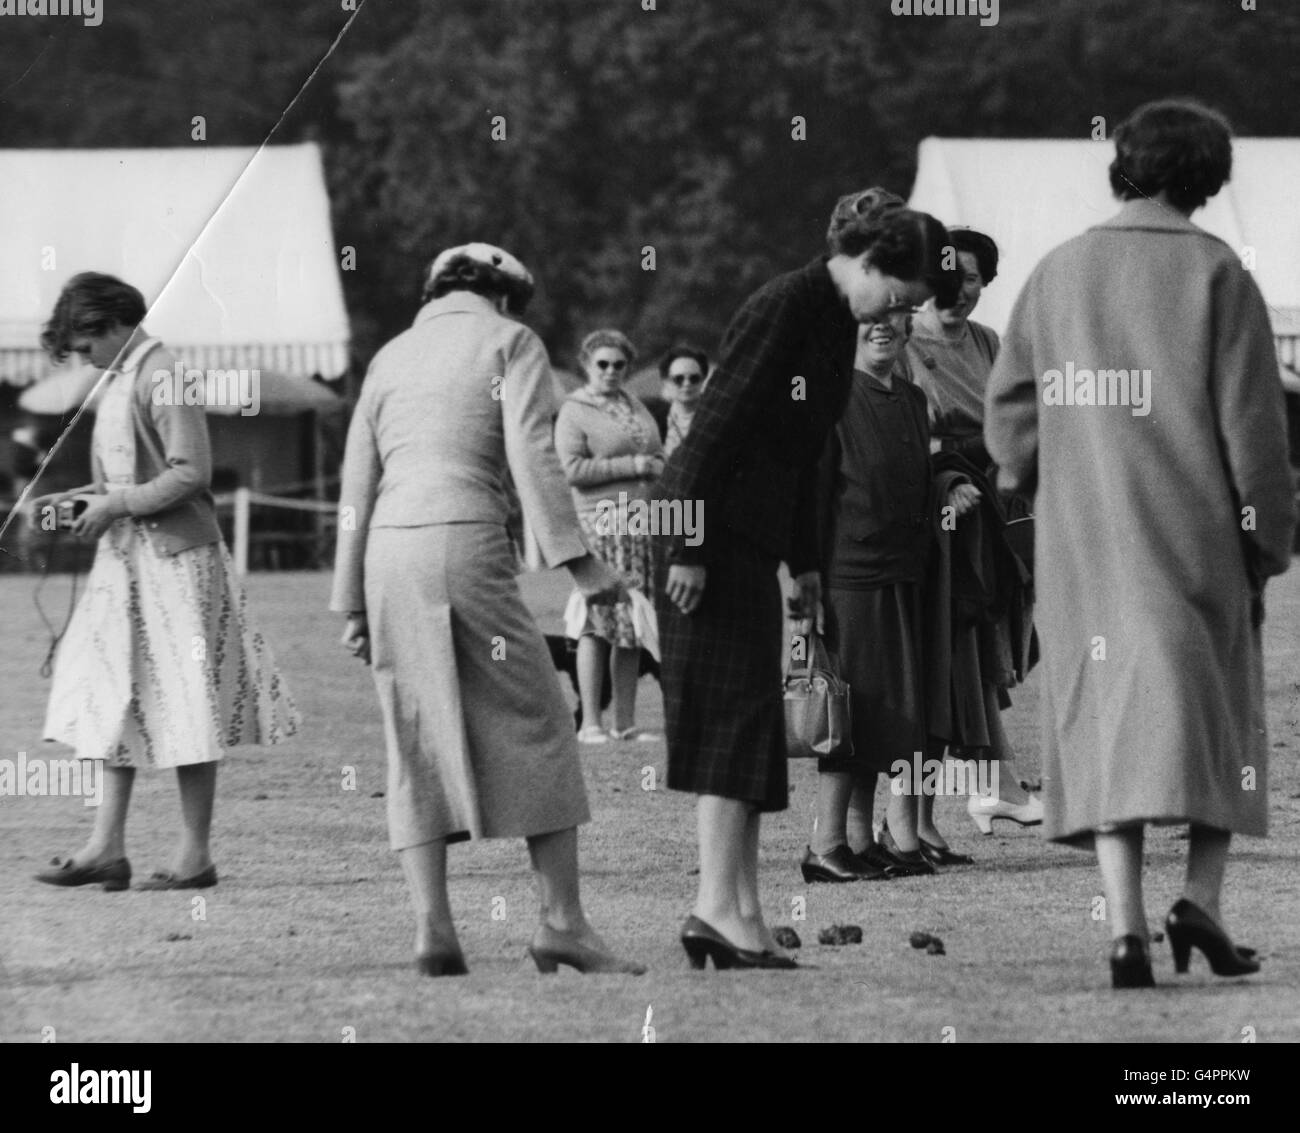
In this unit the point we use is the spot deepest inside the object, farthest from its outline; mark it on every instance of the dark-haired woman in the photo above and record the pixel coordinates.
(480, 741)
(750, 461)
(875, 523)
(1164, 500)
(950, 357)
(160, 666)
(683, 371)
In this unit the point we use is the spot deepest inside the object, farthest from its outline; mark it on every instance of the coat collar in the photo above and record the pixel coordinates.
(1148, 214)
(871, 382)
(456, 302)
(817, 277)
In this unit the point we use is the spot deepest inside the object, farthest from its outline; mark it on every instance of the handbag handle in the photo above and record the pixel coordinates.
(815, 653)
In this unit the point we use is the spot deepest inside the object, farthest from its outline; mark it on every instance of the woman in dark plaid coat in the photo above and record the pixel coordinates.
(748, 467)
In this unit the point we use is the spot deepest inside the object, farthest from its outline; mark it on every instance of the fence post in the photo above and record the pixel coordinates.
(241, 531)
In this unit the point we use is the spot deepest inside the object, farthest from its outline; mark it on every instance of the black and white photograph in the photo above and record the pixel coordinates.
(652, 521)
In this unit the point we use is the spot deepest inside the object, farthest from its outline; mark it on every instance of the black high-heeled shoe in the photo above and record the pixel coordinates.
(1188, 927)
(703, 942)
(1130, 963)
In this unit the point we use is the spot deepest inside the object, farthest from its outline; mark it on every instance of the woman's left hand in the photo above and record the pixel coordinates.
(805, 603)
(963, 498)
(98, 517)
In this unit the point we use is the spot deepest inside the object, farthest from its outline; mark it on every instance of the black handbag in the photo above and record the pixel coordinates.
(818, 717)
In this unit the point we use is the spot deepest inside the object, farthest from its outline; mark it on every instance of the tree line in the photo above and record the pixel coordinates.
(597, 140)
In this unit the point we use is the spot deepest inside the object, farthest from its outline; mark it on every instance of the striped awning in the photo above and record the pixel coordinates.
(21, 367)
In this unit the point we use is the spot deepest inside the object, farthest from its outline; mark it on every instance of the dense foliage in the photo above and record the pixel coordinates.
(624, 128)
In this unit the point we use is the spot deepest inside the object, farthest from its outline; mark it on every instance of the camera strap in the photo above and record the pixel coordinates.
(56, 636)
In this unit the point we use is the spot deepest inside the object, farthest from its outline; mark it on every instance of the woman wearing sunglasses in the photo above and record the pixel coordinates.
(684, 370)
(610, 449)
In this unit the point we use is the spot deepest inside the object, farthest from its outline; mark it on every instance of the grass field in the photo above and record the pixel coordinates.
(309, 933)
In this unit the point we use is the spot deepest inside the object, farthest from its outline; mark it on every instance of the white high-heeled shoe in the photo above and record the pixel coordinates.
(983, 809)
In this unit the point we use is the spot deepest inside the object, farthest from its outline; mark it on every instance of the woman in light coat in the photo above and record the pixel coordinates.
(609, 447)
(480, 742)
(1138, 389)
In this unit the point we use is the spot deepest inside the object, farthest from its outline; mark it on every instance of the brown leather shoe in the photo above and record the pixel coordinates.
(162, 879)
(114, 875)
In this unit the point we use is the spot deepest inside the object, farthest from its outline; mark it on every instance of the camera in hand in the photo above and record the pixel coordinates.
(67, 512)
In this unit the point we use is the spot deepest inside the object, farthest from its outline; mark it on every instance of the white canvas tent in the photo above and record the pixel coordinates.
(1032, 195)
(231, 246)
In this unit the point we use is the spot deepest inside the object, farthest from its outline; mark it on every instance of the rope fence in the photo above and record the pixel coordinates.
(242, 500)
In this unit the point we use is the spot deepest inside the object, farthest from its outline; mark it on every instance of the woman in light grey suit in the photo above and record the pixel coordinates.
(480, 742)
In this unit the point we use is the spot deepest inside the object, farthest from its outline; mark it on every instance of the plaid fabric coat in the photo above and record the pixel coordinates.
(750, 461)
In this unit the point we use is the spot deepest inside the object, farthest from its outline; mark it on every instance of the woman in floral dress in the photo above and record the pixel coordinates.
(160, 666)
(610, 450)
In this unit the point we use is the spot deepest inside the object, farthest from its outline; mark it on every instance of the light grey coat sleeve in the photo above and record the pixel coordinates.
(528, 409)
(1251, 410)
(1011, 401)
(360, 485)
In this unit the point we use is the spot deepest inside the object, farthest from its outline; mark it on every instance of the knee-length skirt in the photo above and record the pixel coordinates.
(721, 679)
(480, 741)
(877, 637)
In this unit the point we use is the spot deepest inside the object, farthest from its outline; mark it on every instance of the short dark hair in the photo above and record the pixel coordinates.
(682, 350)
(90, 304)
(981, 247)
(1174, 144)
(464, 273)
(897, 240)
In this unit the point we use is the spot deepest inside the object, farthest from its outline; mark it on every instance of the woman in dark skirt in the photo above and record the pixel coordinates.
(750, 462)
(874, 501)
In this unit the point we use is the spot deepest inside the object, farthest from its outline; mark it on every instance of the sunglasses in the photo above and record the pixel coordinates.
(686, 379)
(605, 364)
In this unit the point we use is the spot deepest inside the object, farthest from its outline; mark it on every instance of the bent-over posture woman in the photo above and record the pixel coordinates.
(480, 742)
(160, 666)
(750, 461)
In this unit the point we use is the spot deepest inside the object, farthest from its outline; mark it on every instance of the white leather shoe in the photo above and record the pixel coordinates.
(983, 809)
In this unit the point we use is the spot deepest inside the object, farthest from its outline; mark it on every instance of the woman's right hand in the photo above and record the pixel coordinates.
(356, 636)
(596, 582)
(685, 587)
